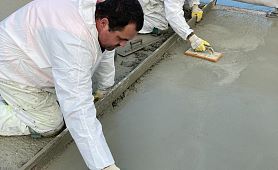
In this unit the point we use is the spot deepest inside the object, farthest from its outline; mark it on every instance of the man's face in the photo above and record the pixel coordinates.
(112, 39)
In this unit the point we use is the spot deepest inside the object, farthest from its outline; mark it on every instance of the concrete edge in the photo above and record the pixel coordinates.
(134, 75)
(118, 89)
(59, 143)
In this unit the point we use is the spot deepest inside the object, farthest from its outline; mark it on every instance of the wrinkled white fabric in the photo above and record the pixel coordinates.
(175, 17)
(269, 3)
(10, 124)
(105, 72)
(50, 43)
(154, 15)
(36, 108)
(158, 13)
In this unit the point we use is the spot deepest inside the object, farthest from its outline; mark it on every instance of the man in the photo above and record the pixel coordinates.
(58, 44)
(158, 13)
(154, 11)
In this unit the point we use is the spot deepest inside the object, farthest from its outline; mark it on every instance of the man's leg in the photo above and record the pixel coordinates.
(10, 124)
(35, 108)
(154, 16)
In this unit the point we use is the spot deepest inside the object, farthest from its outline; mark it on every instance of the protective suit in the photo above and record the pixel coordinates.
(41, 48)
(158, 13)
(154, 15)
(105, 73)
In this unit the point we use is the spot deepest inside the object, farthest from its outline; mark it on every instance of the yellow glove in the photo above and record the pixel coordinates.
(99, 94)
(112, 167)
(198, 44)
(196, 11)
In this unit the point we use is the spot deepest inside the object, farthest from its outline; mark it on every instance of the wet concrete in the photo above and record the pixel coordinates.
(16, 151)
(9, 6)
(192, 114)
(124, 65)
(240, 5)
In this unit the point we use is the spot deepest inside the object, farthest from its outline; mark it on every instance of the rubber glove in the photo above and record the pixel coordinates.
(112, 167)
(198, 44)
(196, 11)
(99, 94)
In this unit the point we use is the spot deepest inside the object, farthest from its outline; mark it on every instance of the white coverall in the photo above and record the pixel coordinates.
(46, 44)
(158, 13)
(105, 72)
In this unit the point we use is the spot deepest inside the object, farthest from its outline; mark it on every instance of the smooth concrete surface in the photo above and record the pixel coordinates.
(240, 5)
(9, 6)
(191, 114)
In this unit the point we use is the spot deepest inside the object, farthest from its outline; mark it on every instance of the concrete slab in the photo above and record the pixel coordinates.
(240, 5)
(192, 114)
(9, 6)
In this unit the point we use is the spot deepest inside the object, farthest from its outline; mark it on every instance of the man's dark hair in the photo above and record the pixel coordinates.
(121, 13)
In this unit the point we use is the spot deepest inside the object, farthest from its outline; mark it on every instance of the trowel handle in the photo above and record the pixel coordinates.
(132, 43)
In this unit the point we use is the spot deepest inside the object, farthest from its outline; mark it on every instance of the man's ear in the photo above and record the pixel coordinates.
(104, 23)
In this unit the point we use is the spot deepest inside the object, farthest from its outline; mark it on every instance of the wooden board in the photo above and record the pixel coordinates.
(207, 55)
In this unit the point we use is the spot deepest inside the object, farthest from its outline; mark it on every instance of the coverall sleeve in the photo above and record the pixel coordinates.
(175, 16)
(72, 60)
(105, 72)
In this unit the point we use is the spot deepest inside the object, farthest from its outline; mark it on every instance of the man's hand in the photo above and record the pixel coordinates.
(112, 167)
(198, 44)
(99, 94)
(196, 11)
